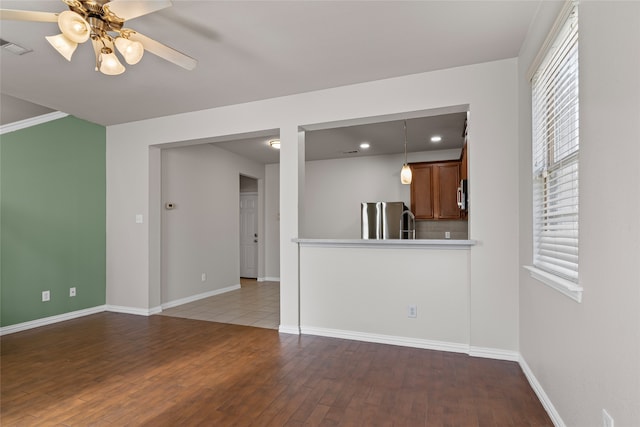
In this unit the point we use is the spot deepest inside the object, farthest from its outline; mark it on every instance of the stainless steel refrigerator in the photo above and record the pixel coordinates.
(386, 220)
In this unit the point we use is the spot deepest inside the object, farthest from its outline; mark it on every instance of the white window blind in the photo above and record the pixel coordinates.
(555, 155)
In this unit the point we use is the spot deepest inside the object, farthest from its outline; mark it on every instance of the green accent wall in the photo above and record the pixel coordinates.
(52, 219)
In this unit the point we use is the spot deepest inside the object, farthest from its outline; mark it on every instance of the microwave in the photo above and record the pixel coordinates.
(463, 195)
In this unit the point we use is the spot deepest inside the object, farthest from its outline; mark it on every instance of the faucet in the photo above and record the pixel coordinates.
(410, 231)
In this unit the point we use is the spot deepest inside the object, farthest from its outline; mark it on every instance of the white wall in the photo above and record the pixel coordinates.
(493, 208)
(335, 189)
(586, 356)
(272, 222)
(128, 252)
(201, 235)
(490, 91)
(363, 291)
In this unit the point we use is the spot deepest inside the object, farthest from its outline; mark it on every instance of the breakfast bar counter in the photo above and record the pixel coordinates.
(388, 243)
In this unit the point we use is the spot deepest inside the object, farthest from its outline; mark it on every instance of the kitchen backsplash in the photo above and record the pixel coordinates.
(426, 229)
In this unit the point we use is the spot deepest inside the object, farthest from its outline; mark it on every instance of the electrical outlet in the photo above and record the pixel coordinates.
(607, 420)
(46, 295)
(72, 292)
(203, 277)
(412, 311)
(447, 234)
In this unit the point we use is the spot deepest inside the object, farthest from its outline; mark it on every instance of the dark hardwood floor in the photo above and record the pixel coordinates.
(114, 369)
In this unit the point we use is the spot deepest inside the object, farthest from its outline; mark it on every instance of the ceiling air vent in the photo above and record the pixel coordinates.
(350, 152)
(13, 48)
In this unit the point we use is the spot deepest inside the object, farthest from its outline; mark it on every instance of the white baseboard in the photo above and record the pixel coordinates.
(287, 329)
(489, 353)
(542, 396)
(494, 353)
(51, 319)
(112, 308)
(268, 279)
(386, 339)
(133, 310)
(197, 297)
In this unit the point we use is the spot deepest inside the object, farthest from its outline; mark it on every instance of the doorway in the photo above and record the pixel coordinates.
(248, 227)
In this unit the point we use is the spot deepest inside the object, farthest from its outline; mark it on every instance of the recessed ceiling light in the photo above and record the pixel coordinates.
(275, 143)
(436, 138)
(365, 145)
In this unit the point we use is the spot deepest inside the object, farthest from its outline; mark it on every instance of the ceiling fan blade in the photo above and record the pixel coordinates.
(27, 15)
(164, 51)
(130, 9)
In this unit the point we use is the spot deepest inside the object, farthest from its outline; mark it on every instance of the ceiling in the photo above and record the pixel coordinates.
(252, 50)
(384, 137)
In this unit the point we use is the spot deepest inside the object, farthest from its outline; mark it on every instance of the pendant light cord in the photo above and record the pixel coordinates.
(405, 142)
(405, 172)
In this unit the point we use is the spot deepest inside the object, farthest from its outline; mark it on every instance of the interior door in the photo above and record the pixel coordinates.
(249, 235)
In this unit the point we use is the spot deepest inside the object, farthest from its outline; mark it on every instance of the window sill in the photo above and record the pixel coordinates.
(561, 285)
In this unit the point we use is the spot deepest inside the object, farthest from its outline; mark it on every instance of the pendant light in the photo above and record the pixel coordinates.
(405, 173)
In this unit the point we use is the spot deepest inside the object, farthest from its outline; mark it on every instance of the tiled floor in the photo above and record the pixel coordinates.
(254, 304)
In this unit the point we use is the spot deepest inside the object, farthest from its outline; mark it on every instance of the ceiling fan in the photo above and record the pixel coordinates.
(102, 21)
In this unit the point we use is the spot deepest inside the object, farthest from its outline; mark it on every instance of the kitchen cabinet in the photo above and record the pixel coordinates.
(463, 162)
(434, 189)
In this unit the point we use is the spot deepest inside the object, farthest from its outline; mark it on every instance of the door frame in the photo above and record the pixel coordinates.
(255, 196)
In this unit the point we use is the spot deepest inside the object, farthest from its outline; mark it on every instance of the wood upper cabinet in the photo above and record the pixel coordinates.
(446, 183)
(463, 162)
(422, 190)
(434, 189)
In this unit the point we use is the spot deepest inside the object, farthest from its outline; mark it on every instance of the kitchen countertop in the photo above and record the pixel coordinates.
(388, 243)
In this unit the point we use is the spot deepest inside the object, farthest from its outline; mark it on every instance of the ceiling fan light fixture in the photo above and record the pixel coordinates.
(108, 63)
(74, 27)
(95, 20)
(63, 45)
(131, 51)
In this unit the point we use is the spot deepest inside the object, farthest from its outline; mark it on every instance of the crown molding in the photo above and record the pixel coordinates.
(27, 123)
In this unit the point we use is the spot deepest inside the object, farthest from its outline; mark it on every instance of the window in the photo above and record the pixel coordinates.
(556, 146)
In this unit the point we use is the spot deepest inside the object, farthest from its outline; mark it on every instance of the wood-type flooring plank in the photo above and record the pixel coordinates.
(113, 369)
